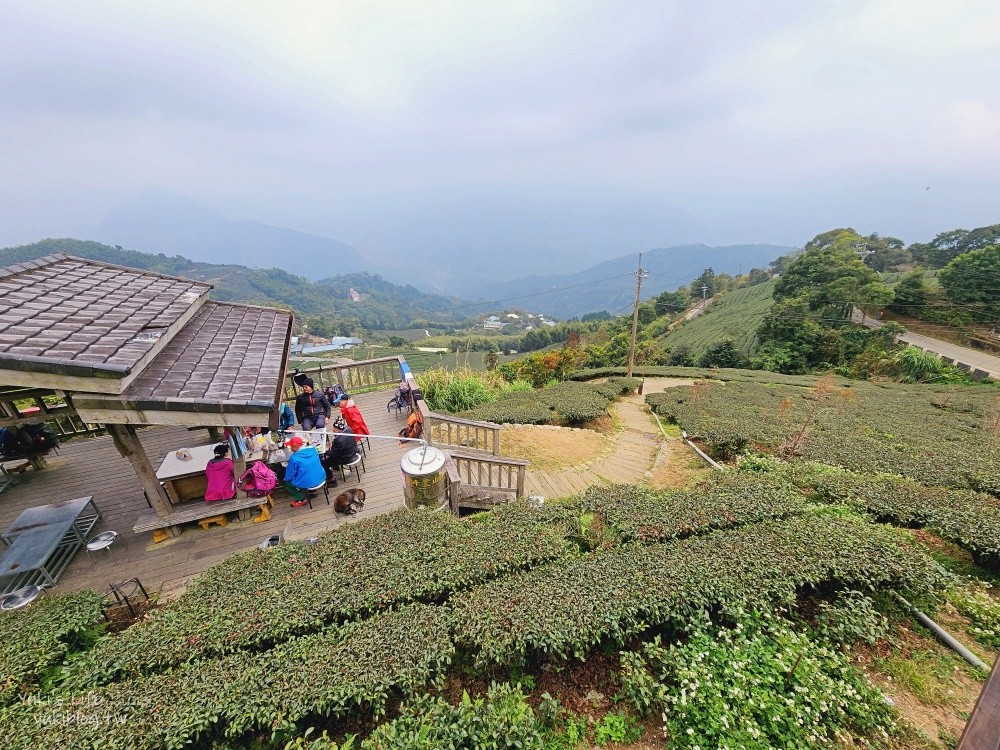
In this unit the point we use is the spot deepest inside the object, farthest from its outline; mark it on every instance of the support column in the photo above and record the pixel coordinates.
(128, 445)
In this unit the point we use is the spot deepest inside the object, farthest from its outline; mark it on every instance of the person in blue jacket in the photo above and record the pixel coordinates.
(304, 470)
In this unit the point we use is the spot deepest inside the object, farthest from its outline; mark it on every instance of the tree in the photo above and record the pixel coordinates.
(974, 278)
(723, 353)
(671, 302)
(706, 280)
(831, 278)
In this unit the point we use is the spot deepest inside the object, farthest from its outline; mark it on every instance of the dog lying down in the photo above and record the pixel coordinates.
(349, 501)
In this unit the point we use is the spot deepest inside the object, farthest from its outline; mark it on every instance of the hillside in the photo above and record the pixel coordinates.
(173, 225)
(735, 314)
(611, 285)
(383, 304)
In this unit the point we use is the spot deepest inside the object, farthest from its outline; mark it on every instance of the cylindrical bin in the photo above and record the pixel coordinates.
(424, 478)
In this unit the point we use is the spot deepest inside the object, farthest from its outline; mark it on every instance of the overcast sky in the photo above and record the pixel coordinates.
(652, 123)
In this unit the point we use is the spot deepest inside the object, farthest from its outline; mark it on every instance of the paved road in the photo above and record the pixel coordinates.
(974, 358)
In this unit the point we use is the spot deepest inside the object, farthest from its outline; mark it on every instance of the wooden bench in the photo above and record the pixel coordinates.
(196, 511)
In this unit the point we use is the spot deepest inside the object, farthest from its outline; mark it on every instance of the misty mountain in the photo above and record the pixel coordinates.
(611, 285)
(327, 304)
(165, 223)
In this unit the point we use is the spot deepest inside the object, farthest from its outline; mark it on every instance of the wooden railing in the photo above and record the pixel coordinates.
(982, 732)
(357, 377)
(480, 481)
(443, 429)
(61, 416)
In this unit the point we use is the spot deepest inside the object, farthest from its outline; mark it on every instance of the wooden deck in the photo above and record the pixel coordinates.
(92, 466)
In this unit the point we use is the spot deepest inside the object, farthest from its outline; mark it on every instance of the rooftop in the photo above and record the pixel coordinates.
(61, 315)
(229, 358)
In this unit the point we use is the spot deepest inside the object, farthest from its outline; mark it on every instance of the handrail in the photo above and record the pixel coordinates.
(490, 472)
(444, 429)
(983, 729)
(357, 377)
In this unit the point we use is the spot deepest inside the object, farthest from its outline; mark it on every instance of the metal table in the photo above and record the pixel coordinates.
(43, 541)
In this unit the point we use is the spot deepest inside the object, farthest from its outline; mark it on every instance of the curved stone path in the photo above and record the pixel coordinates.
(632, 457)
(639, 446)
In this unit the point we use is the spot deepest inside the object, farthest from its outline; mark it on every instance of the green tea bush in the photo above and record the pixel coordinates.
(514, 408)
(969, 519)
(568, 607)
(501, 719)
(257, 599)
(976, 603)
(361, 666)
(722, 500)
(575, 403)
(943, 436)
(757, 684)
(34, 639)
(850, 618)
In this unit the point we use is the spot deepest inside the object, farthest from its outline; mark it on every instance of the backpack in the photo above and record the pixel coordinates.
(28, 440)
(258, 480)
(286, 417)
(414, 426)
(333, 392)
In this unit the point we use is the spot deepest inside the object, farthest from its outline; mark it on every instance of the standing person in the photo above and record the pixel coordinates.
(352, 415)
(221, 475)
(304, 470)
(311, 407)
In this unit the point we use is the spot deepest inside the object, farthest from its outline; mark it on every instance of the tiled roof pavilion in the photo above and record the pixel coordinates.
(137, 347)
(129, 347)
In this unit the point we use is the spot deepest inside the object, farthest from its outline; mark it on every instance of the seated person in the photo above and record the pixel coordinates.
(304, 470)
(352, 415)
(221, 475)
(311, 407)
(343, 451)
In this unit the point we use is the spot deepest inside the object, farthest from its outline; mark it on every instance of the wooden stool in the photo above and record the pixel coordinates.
(265, 513)
(221, 520)
(159, 535)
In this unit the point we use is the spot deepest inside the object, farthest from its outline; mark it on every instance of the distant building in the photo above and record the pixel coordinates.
(513, 316)
(493, 323)
(355, 297)
(549, 323)
(295, 347)
(433, 349)
(345, 342)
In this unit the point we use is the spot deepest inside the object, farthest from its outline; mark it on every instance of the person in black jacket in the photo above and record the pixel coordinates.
(311, 407)
(343, 450)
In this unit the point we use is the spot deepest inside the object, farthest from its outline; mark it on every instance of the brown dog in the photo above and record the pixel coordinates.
(349, 501)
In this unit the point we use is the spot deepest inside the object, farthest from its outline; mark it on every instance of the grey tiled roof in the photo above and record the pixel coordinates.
(228, 358)
(71, 314)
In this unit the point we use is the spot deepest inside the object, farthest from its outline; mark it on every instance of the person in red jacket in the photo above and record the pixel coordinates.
(352, 415)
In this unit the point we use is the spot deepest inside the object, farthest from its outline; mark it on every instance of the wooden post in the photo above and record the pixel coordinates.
(128, 445)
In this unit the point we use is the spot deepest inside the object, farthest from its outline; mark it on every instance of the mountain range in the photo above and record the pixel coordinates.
(170, 224)
(611, 285)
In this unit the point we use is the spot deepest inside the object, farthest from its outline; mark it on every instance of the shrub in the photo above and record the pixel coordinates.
(329, 673)
(34, 639)
(246, 602)
(569, 606)
(501, 719)
(850, 618)
(756, 684)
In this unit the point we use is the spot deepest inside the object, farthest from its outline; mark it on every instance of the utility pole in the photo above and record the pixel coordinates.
(639, 276)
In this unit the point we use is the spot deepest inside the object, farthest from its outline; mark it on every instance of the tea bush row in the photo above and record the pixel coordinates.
(724, 499)
(565, 403)
(566, 608)
(331, 674)
(969, 519)
(36, 638)
(257, 599)
(942, 436)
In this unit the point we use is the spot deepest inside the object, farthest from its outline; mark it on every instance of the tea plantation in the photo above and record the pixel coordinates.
(725, 614)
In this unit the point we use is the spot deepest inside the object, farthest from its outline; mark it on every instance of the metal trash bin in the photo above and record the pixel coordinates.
(425, 480)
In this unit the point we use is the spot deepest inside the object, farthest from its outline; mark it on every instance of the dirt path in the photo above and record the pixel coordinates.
(637, 453)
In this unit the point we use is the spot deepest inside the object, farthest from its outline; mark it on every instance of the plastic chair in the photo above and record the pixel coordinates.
(22, 597)
(104, 540)
(357, 465)
(317, 488)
